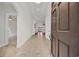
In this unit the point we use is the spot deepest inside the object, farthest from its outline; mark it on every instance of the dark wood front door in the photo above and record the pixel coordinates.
(64, 30)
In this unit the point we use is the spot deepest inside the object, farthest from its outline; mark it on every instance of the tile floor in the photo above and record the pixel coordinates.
(36, 46)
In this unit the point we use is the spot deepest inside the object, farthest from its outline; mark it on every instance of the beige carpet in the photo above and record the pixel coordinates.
(36, 46)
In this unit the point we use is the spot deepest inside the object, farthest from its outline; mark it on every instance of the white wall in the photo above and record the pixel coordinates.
(2, 25)
(11, 25)
(48, 22)
(4, 10)
(10, 8)
(24, 23)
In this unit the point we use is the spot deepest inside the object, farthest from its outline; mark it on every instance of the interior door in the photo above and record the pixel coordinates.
(64, 22)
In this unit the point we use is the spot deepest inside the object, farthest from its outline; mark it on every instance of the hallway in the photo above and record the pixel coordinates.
(36, 46)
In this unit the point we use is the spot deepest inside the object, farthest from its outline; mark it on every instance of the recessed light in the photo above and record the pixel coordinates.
(38, 2)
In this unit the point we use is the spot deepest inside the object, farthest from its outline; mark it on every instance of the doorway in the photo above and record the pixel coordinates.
(12, 29)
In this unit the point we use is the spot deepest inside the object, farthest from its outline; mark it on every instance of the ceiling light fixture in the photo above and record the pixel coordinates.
(38, 2)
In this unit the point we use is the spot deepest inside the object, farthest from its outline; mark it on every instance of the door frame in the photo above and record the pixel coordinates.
(6, 27)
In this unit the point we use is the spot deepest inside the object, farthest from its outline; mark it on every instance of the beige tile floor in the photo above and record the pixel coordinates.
(36, 46)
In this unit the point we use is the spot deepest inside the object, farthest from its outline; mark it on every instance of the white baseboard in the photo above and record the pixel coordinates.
(4, 44)
(21, 44)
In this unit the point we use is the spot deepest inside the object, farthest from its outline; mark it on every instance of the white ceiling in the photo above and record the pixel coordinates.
(8, 7)
(38, 10)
